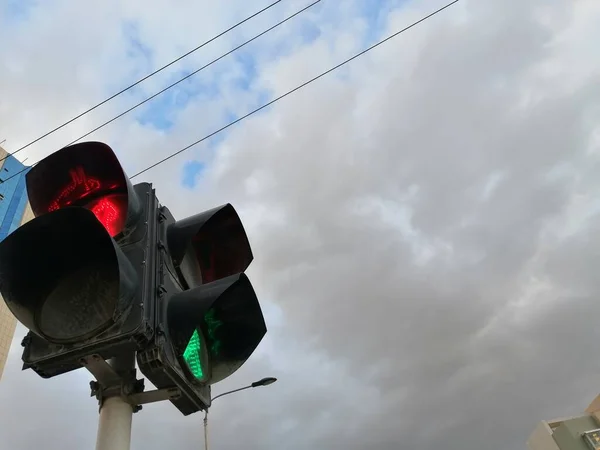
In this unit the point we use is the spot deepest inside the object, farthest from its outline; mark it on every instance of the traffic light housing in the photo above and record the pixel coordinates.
(209, 320)
(103, 269)
(77, 275)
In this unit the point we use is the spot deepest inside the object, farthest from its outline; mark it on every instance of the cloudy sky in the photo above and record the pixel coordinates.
(423, 220)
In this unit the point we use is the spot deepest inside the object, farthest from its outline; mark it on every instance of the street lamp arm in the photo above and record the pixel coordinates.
(230, 392)
(262, 382)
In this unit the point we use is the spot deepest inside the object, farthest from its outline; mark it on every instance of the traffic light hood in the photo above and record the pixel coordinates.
(209, 246)
(89, 175)
(209, 320)
(228, 320)
(81, 286)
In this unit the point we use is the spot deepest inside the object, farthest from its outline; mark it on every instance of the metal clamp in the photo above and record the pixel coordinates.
(110, 383)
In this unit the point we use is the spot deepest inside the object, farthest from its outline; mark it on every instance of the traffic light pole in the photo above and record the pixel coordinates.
(114, 426)
(116, 413)
(120, 395)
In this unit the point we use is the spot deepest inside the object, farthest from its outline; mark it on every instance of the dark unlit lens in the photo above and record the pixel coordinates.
(81, 304)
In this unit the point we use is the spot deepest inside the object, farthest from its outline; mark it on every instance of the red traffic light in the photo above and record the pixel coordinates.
(87, 175)
(209, 246)
(111, 211)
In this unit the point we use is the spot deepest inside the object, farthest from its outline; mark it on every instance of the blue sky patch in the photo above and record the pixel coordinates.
(17, 10)
(137, 50)
(310, 32)
(192, 170)
(248, 63)
(136, 47)
(160, 112)
(376, 12)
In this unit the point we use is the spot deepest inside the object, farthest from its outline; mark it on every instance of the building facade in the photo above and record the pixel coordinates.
(573, 433)
(14, 211)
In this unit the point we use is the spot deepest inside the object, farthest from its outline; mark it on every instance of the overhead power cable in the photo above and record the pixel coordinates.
(297, 88)
(194, 72)
(78, 116)
(281, 22)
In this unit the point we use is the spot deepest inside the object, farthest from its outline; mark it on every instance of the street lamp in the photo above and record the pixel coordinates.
(262, 382)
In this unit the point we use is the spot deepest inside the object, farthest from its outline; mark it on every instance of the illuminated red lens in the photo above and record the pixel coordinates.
(80, 186)
(111, 211)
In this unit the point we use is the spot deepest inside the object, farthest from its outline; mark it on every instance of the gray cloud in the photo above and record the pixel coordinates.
(423, 226)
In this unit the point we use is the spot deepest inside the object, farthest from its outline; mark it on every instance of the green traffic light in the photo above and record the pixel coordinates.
(193, 351)
(192, 356)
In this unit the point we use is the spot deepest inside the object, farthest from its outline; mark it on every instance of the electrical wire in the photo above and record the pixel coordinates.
(78, 116)
(194, 72)
(281, 22)
(297, 88)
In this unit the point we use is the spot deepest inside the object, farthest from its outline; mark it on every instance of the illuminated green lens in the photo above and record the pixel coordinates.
(192, 357)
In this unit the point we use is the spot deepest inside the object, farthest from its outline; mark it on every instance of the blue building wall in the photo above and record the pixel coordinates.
(13, 195)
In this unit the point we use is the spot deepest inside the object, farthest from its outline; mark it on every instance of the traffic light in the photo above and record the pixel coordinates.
(103, 269)
(209, 320)
(80, 275)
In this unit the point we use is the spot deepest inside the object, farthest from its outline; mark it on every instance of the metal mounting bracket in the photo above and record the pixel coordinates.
(110, 383)
(157, 395)
(102, 371)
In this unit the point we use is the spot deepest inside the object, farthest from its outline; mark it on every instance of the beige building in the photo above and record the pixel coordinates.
(573, 433)
(8, 323)
(14, 211)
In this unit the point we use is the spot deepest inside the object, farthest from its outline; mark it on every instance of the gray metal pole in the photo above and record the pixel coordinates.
(206, 429)
(114, 425)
